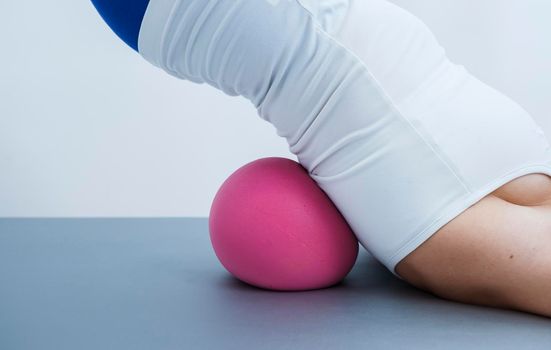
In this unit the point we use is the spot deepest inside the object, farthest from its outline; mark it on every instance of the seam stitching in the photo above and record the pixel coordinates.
(388, 99)
(472, 198)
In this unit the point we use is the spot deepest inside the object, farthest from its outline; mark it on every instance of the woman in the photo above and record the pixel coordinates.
(443, 179)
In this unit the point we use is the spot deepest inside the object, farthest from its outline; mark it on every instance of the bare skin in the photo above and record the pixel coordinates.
(496, 253)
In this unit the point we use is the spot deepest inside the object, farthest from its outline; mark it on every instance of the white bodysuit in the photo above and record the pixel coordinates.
(400, 138)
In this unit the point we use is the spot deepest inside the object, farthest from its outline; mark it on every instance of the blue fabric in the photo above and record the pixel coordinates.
(124, 17)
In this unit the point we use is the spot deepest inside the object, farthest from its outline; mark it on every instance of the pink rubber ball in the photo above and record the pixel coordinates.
(271, 226)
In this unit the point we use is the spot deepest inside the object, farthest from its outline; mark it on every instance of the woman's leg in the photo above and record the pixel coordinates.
(496, 253)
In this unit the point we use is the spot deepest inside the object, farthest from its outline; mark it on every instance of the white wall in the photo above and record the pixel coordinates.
(88, 128)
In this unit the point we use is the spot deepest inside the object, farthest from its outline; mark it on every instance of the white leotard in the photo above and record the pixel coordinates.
(399, 137)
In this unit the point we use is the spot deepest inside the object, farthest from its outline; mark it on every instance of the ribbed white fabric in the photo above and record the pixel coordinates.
(399, 137)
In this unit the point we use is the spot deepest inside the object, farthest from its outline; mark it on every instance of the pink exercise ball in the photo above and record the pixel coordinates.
(271, 226)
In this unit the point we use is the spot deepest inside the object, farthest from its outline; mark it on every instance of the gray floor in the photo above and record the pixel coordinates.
(156, 284)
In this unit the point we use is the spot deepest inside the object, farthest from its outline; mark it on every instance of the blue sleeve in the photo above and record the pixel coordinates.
(124, 17)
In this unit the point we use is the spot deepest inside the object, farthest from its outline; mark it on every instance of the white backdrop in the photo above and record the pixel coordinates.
(88, 128)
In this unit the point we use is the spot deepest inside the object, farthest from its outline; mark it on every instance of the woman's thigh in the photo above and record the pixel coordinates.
(495, 253)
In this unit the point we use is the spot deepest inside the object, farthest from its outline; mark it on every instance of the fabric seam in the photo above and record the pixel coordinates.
(389, 100)
(461, 205)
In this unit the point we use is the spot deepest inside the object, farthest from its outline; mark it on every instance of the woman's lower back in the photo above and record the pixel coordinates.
(496, 253)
